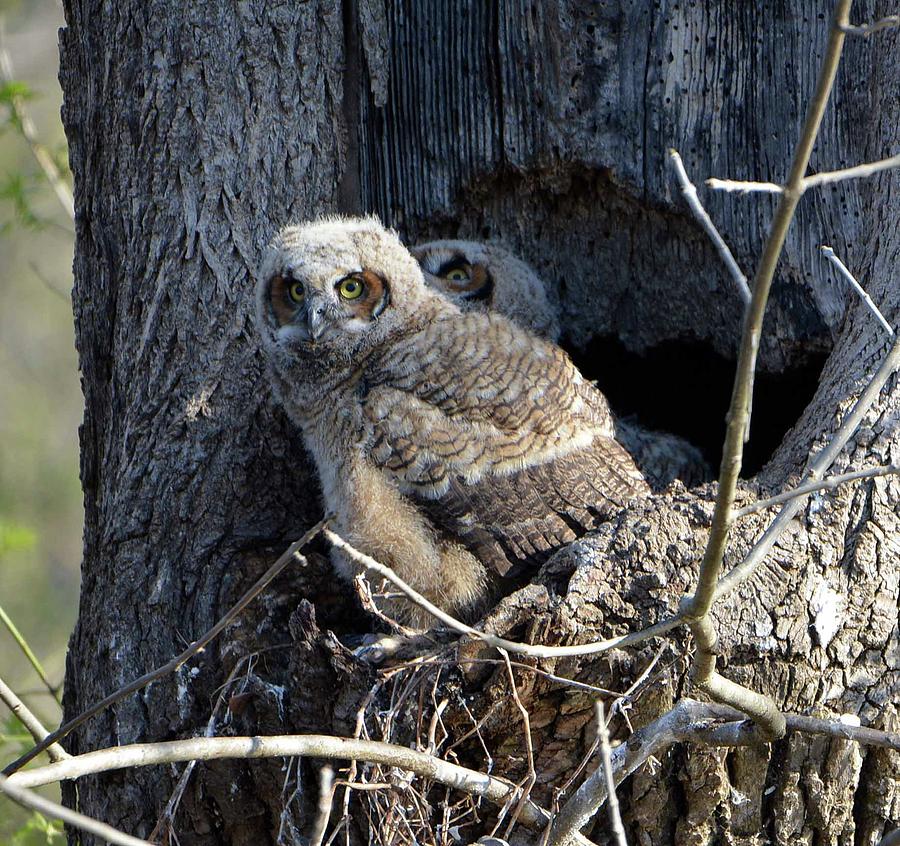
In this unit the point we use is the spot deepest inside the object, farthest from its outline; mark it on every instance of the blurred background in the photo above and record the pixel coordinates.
(40, 395)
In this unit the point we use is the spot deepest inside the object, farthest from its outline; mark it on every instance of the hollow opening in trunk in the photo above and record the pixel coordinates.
(684, 387)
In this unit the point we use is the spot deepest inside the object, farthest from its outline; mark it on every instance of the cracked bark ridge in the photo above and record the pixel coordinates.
(196, 129)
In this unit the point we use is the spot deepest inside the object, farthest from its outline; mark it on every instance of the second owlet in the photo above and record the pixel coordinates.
(480, 276)
(452, 446)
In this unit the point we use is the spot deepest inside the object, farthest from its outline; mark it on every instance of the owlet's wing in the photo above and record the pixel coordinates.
(498, 437)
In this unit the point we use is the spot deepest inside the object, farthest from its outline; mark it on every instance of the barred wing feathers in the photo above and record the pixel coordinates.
(497, 437)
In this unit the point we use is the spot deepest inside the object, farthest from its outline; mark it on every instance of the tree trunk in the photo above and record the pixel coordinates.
(196, 129)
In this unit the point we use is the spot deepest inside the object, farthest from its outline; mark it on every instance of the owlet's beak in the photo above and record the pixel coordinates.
(315, 320)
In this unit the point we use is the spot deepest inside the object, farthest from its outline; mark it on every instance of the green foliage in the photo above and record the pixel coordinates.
(15, 189)
(13, 735)
(15, 537)
(37, 830)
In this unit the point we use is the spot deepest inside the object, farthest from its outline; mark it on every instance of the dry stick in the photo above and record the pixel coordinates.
(615, 818)
(428, 766)
(195, 647)
(326, 795)
(828, 484)
(865, 30)
(826, 177)
(533, 650)
(817, 469)
(30, 721)
(688, 721)
(742, 186)
(531, 778)
(678, 724)
(43, 158)
(843, 731)
(829, 253)
(166, 819)
(27, 799)
(690, 195)
(26, 650)
(696, 608)
(857, 172)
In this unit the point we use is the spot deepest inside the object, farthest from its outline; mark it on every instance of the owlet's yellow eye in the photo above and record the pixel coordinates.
(351, 288)
(458, 274)
(295, 292)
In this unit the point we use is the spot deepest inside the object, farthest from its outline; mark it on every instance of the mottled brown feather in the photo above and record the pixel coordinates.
(510, 453)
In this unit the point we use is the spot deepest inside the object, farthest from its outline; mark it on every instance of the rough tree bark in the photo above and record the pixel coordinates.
(196, 129)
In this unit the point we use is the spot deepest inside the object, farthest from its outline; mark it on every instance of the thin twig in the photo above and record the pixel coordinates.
(865, 30)
(741, 186)
(531, 776)
(427, 766)
(818, 467)
(615, 817)
(166, 819)
(696, 608)
(326, 795)
(690, 195)
(829, 253)
(29, 133)
(422, 764)
(27, 799)
(532, 650)
(826, 177)
(828, 484)
(30, 721)
(648, 741)
(860, 171)
(32, 658)
(292, 553)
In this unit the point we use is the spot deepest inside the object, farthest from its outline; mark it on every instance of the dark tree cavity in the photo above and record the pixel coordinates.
(197, 129)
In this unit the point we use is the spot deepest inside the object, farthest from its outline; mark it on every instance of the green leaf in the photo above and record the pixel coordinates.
(38, 831)
(15, 537)
(15, 189)
(14, 90)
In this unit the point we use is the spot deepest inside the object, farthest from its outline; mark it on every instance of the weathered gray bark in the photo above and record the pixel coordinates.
(196, 129)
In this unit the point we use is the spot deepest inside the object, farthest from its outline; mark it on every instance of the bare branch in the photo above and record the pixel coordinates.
(690, 195)
(326, 795)
(532, 650)
(738, 186)
(427, 766)
(27, 799)
(166, 819)
(826, 177)
(696, 607)
(841, 728)
(30, 721)
(687, 720)
(829, 253)
(817, 469)
(824, 485)
(29, 654)
(531, 777)
(44, 159)
(292, 553)
(615, 818)
(856, 172)
(865, 30)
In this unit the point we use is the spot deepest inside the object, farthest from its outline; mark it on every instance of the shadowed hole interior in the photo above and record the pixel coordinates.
(685, 388)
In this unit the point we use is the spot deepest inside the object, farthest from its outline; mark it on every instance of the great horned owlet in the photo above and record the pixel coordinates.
(486, 277)
(451, 446)
(479, 276)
